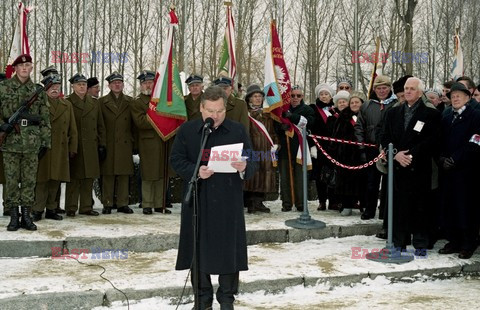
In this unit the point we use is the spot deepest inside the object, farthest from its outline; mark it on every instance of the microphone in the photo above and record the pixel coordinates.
(208, 123)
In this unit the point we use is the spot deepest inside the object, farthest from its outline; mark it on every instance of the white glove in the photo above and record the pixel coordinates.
(274, 148)
(302, 123)
(313, 152)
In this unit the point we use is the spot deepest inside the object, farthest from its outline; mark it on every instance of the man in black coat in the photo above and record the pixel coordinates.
(413, 129)
(221, 223)
(459, 168)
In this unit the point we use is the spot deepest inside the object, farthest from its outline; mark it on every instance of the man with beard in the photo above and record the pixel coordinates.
(53, 168)
(152, 149)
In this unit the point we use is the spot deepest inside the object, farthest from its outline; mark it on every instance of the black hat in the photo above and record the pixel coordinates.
(78, 77)
(93, 81)
(223, 81)
(3, 76)
(194, 78)
(48, 71)
(253, 89)
(457, 86)
(53, 78)
(146, 75)
(398, 85)
(22, 59)
(115, 76)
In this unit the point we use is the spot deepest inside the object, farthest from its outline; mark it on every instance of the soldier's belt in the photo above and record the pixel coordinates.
(26, 122)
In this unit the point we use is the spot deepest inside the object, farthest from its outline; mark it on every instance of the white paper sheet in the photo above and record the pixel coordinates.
(222, 156)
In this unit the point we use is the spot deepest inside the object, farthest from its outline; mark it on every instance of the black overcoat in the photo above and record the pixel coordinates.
(412, 183)
(223, 244)
(459, 185)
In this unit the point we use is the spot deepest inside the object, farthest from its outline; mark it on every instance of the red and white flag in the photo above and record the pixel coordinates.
(228, 60)
(20, 39)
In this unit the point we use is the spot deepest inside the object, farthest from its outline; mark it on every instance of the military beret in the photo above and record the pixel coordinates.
(3, 76)
(115, 76)
(22, 59)
(92, 82)
(194, 79)
(48, 71)
(146, 75)
(223, 81)
(78, 77)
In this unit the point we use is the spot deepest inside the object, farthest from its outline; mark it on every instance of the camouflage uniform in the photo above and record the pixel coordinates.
(20, 150)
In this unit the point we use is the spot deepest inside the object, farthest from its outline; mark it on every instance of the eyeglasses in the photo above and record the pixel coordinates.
(297, 95)
(344, 87)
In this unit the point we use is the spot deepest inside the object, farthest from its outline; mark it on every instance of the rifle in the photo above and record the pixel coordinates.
(22, 111)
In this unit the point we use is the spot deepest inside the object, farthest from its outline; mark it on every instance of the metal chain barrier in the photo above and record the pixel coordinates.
(339, 164)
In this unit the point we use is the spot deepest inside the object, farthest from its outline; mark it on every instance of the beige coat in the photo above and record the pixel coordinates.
(91, 134)
(152, 149)
(119, 128)
(55, 164)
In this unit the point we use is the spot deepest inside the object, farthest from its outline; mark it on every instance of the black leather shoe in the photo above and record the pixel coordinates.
(260, 207)
(286, 209)
(37, 216)
(90, 212)
(107, 210)
(125, 209)
(366, 216)
(52, 215)
(147, 211)
(448, 249)
(322, 206)
(160, 210)
(59, 211)
(465, 254)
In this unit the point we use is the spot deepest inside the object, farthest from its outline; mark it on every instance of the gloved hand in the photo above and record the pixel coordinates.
(313, 152)
(42, 152)
(102, 153)
(447, 163)
(286, 114)
(285, 127)
(6, 127)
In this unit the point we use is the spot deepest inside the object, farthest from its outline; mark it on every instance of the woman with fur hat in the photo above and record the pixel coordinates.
(323, 108)
(264, 180)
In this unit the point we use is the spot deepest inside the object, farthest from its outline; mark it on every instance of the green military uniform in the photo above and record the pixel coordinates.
(20, 149)
(153, 156)
(193, 107)
(237, 111)
(54, 167)
(118, 165)
(85, 166)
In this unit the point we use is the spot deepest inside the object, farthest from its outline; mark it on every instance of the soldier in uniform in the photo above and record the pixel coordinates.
(6, 212)
(192, 100)
(54, 168)
(236, 108)
(27, 141)
(85, 166)
(93, 87)
(152, 150)
(118, 165)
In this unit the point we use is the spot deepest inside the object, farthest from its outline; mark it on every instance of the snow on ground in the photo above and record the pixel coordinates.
(380, 293)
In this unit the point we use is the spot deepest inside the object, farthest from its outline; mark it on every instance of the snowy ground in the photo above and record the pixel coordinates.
(380, 293)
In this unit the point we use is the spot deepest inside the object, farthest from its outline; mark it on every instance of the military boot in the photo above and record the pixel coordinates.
(51, 214)
(36, 215)
(14, 219)
(27, 220)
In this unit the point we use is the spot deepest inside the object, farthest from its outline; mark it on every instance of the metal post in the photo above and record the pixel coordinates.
(389, 254)
(305, 221)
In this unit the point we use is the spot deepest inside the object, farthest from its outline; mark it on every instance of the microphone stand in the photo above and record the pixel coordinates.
(193, 190)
